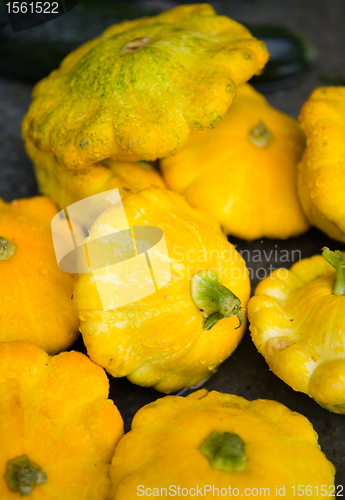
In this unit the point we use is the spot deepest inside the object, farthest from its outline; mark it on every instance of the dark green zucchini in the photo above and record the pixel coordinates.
(291, 54)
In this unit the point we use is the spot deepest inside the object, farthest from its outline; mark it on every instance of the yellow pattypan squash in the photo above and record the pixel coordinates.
(176, 336)
(297, 322)
(66, 187)
(58, 430)
(321, 182)
(219, 445)
(244, 172)
(139, 90)
(35, 295)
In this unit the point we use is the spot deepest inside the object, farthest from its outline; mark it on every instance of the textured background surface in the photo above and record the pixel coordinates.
(245, 373)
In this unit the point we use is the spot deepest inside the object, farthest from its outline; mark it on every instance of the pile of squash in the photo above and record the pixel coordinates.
(170, 91)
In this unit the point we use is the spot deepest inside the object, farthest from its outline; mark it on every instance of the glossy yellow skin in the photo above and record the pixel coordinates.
(56, 410)
(298, 325)
(139, 90)
(249, 189)
(65, 187)
(162, 449)
(160, 340)
(35, 295)
(321, 182)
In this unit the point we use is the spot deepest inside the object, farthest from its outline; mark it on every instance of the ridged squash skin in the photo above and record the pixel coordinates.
(139, 90)
(35, 294)
(248, 187)
(56, 411)
(163, 449)
(66, 187)
(321, 181)
(298, 325)
(160, 340)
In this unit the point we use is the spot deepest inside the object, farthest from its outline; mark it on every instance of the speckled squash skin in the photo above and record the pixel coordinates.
(66, 187)
(298, 325)
(35, 294)
(250, 188)
(139, 90)
(163, 448)
(321, 182)
(56, 411)
(160, 340)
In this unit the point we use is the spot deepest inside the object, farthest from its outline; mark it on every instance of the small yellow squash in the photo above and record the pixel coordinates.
(139, 90)
(66, 187)
(297, 322)
(219, 445)
(321, 180)
(58, 429)
(244, 172)
(175, 336)
(35, 295)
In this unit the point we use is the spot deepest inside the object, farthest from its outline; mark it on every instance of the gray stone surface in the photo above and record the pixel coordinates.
(17, 178)
(245, 373)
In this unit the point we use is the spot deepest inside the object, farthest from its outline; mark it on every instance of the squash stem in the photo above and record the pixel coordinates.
(213, 299)
(225, 451)
(337, 260)
(260, 135)
(7, 249)
(135, 44)
(22, 475)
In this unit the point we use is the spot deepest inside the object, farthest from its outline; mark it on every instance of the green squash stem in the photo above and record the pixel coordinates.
(260, 135)
(213, 299)
(225, 451)
(7, 249)
(22, 475)
(337, 260)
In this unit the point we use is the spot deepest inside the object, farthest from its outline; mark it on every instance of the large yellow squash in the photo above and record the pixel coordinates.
(321, 180)
(58, 429)
(35, 295)
(219, 445)
(244, 172)
(297, 322)
(139, 90)
(176, 336)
